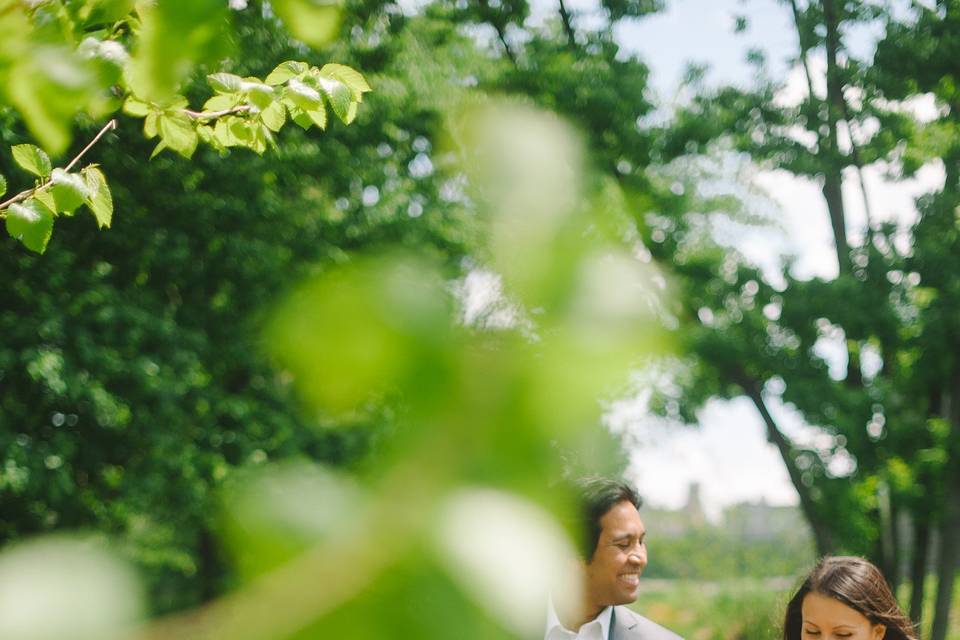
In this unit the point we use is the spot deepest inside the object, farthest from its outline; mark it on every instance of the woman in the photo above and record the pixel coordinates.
(845, 598)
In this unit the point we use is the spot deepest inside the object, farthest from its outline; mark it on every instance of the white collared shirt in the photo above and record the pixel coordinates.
(596, 629)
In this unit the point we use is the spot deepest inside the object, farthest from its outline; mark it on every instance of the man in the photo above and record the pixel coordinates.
(614, 556)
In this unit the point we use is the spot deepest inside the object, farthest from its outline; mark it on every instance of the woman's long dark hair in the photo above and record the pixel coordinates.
(857, 584)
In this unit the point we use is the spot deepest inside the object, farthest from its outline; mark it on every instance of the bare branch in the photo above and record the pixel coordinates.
(213, 115)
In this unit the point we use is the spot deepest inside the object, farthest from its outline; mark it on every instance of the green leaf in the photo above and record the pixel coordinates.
(286, 70)
(300, 117)
(220, 102)
(3, 186)
(274, 115)
(135, 107)
(68, 189)
(222, 133)
(150, 128)
(46, 198)
(178, 134)
(225, 82)
(339, 95)
(242, 132)
(315, 22)
(303, 96)
(174, 35)
(100, 200)
(157, 149)
(33, 159)
(348, 76)
(31, 223)
(259, 94)
(318, 117)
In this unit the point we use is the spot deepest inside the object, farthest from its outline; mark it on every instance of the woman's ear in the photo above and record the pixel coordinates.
(878, 632)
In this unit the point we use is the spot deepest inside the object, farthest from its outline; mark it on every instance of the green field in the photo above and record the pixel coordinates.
(739, 609)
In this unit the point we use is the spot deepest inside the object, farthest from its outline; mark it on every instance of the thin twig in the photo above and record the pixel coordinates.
(213, 115)
(107, 127)
(23, 195)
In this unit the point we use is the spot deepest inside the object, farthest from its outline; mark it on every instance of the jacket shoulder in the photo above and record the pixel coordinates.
(632, 626)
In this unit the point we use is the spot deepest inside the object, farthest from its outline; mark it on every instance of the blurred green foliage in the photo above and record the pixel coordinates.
(298, 307)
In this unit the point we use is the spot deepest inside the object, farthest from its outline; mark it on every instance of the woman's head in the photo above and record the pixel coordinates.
(845, 598)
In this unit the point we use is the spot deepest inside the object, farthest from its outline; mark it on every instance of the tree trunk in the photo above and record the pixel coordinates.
(950, 524)
(918, 565)
(822, 535)
(834, 162)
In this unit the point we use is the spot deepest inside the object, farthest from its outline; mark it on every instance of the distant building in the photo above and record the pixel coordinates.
(748, 521)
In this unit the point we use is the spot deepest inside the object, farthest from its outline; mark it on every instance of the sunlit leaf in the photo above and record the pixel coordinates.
(259, 94)
(3, 186)
(100, 200)
(178, 134)
(33, 159)
(274, 115)
(225, 82)
(318, 117)
(338, 94)
(31, 223)
(303, 96)
(69, 190)
(348, 76)
(315, 22)
(150, 125)
(220, 102)
(135, 107)
(286, 70)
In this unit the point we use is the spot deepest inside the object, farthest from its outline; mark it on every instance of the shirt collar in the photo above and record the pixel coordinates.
(603, 618)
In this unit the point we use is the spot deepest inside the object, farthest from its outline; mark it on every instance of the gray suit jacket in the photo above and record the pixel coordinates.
(628, 625)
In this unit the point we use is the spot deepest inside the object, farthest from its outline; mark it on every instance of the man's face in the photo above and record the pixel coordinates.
(613, 574)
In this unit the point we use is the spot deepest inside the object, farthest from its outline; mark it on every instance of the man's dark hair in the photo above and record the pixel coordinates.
(597, 497)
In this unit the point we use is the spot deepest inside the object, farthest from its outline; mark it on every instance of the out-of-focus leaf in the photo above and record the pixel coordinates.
(31, 223)
(3, 186)
(175, 34)
(105, 12)
(362, 330)
(506, 553)
(48, 87)
(315, 22)
(33, 159)
(61, 588)
(284, 510)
